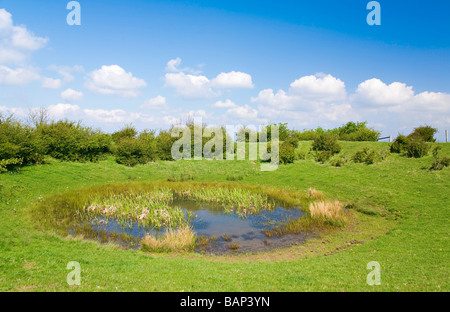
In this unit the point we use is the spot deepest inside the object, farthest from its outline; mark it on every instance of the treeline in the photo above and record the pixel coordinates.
(28, 144)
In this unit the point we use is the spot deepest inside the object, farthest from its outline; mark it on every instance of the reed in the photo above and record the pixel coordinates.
(331, 211)
(315, 194)
(179, 240)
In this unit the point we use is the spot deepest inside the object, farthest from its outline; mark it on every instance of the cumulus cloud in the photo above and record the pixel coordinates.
(232, 80)
(16, 42)
(71, 95)
(61, 110)
(157, 103)
(50, 83)
(172, 65)
(396, 97)
(320, 87)
(227, 104)
(310, 99)
(243, 112)
(18, 76)
(111, 116)
(189, 86)
(375, 93)
(66, 72)
(114, 80)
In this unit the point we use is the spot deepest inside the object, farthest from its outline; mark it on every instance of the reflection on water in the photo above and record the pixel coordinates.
(223, 229)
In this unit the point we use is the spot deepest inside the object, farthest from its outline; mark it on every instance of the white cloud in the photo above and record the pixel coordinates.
(72, 95)
(243, 112)
(189, 86)
(374, 92)
(67, 72)
(114, 80)
(227, 104)
(50, 83)
(320, 87)
(111, 116)
(19, 76)
(171, 120)
(61, 111)
(16, 42)
(172, 65)
(232, 80)
(158, 103)
(281, 100)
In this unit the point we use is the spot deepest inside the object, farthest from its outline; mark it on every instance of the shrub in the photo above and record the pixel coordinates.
(18, 141)
(338, 162)
(132, 151)
(8, 164)
(326, 142)
(400, 144)
(323, 156)
(287, 153)
(164, 142)
(423, 133)
(440, 163)
(69, 141)
(127, 132)
(417, 149)
(365, 156)
(360, 156)
(292, 140)
(357, 132)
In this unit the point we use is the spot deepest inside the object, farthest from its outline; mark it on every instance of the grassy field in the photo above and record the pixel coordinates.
(400, 218)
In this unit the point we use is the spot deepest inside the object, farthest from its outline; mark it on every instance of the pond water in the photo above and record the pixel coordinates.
(224, 232)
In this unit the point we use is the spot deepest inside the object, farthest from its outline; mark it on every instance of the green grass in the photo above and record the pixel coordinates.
(400, 219)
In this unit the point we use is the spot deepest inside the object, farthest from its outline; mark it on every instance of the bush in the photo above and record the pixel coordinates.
(366, 156)
(164, 142)
(440, 163)
(18, 141)
(69, 141)
(8, 164)
(357, 132)
(133, 151)
(326, 142)
(292, 140)
(423, 133)
(338, 162)
(287, 153)
(417, 149)
(400, 144)
(323, 156)
(360, 156)
(127, 132)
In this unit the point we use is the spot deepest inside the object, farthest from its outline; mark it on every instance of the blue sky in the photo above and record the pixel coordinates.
(151, 63)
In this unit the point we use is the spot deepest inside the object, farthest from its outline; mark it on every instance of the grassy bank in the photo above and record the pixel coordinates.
(400, 219)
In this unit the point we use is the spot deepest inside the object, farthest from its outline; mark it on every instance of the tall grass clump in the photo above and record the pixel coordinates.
(173, 240)
(331, 212)
(315, 194)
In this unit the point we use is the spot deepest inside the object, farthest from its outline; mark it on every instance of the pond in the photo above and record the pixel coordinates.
(219, 232)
